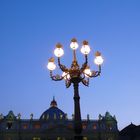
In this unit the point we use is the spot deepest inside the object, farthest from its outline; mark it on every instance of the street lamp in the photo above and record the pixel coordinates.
(75, 75)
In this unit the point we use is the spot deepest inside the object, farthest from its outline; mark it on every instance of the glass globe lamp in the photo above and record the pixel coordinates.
(85, 48)
(51, 65)
(74, 44)
(66, 75)
(98, 58)
(87, 71)
(58, 50)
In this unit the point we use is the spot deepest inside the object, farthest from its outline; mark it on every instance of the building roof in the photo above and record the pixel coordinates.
(53, 113)
(131, 131)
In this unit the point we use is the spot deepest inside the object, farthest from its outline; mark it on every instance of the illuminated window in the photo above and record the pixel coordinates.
(36, 138)
(84, 138)
(84, 126)
(61, 116)
(94, 126)
(37, 126)
(25, 126)
(70, 126)
(60, 138)
(110, 138)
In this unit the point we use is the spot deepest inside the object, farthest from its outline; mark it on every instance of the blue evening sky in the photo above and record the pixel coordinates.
(29, 30)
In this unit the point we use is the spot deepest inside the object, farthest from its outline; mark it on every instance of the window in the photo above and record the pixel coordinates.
(84, 138)
(109, 127)
(25, 126)
(47, 117)
(70, 126)
(110, 138)
(54, 116)
(94, 126)
(58, 138)
(61, 116)
(84, 126)
(37, 126)
(43, 117)
(36, 138)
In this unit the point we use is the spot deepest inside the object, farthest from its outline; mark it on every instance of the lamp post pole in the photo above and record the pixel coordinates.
(75, 75)
(77, 112)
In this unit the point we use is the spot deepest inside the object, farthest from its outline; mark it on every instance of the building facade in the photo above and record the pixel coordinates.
(55, 125)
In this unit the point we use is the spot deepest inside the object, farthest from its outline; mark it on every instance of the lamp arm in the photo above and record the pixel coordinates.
(56, 77)
(85, 82)
(62, 67)
(68, 83)
(95, 73)
(84, 65)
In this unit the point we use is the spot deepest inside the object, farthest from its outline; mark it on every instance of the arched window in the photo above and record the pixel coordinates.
(43, 117)
(47, 117)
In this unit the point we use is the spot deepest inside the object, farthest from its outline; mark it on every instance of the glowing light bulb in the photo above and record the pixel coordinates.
(74, 45)
(87, 71)
(51, 65)
(58, 50)
(66, 75)
(98, 59)
(85, 48)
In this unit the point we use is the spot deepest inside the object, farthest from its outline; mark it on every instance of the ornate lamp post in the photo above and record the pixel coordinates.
(75, 75)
